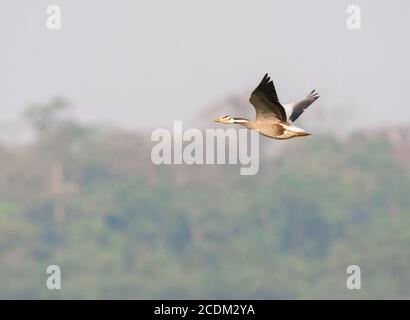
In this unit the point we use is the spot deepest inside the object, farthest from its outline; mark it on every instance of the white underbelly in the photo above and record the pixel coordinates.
(286, 135)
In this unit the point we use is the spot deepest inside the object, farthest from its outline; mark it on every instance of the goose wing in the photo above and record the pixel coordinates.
(296, 108)
(265, 101)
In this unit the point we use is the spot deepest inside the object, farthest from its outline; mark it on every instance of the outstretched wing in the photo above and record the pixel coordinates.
(265, 101)
(296, 108)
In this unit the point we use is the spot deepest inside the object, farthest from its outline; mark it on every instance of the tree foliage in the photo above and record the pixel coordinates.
(131, 229)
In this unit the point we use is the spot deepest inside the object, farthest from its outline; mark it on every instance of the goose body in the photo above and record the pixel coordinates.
(272, 119)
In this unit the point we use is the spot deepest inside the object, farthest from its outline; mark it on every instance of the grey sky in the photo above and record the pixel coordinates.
(147, 63)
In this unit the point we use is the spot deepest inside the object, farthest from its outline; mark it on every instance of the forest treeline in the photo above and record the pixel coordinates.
(89, 199)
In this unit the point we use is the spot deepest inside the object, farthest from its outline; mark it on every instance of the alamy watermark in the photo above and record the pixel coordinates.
(354, 18)
(354, 280)
(214, 146)
(53, 21)
(54, 280)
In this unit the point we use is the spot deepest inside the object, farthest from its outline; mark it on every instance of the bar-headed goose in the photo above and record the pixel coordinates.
(272, 119)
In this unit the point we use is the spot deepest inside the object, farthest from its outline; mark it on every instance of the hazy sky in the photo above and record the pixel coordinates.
(147, 63)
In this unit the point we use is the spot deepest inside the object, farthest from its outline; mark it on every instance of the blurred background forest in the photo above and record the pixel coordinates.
(89, 199)
(78, 188)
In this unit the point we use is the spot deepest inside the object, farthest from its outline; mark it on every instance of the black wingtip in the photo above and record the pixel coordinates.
(265, 77)
(313, 94)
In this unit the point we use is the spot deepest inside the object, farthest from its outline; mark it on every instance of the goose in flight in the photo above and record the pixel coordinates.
(273, 120)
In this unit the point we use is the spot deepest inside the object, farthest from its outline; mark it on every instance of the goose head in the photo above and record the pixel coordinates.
(225, 119)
